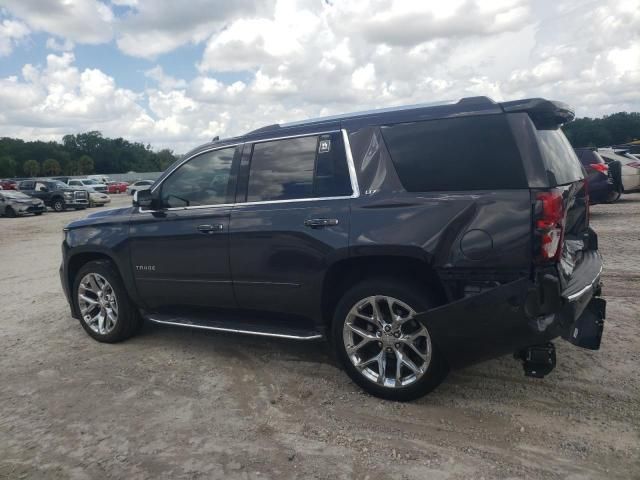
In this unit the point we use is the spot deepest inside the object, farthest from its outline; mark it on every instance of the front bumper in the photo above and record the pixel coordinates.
(519, 314)
(24, 209)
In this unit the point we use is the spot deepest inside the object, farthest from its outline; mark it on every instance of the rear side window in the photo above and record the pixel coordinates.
(560, 160)
(473, 153)
(293, 168)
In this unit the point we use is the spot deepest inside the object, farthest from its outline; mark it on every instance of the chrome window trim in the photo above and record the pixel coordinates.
(355, 189)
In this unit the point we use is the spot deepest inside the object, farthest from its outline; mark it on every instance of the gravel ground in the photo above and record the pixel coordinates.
(175, 403)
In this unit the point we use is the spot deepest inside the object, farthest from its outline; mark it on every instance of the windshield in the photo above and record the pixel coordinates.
(560, 160)
(89, 182)
(58, 185)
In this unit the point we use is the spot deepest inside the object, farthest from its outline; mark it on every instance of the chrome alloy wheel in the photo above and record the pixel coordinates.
(385, 342)
(98, 303)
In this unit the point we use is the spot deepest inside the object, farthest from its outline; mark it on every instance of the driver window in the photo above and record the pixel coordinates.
(41, 187)
(203, 180)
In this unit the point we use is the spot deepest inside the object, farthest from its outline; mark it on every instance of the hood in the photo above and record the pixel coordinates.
(103, 216)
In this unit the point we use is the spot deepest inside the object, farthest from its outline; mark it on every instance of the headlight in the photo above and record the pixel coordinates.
(68, 195)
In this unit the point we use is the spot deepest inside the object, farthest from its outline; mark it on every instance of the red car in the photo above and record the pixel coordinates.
(117, 187)
(11, 185)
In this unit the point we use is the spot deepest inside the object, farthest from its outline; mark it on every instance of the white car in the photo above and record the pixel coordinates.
(87, 184)
(139, 185)
(630, 167)
(98, 199)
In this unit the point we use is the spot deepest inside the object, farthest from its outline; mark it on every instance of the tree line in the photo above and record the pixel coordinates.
(80, 154)
(91, 152)
(616, 129)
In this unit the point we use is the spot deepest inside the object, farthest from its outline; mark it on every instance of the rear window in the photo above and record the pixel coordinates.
(560, 160)
(471, 153)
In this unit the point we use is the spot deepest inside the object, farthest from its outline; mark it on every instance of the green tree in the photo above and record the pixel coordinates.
(51, 167)
(8, 166)
(31, 168)
(85, 165)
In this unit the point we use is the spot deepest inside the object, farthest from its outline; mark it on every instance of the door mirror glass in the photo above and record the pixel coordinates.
(43, 189)
(143, 199)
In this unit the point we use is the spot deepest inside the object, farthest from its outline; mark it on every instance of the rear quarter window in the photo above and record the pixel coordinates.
(471, 153)
(561, 163)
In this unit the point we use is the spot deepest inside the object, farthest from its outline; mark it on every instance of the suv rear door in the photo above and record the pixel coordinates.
(291, 219)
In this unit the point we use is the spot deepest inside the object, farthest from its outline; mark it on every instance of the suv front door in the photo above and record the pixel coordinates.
(180, 251)
(291, 221)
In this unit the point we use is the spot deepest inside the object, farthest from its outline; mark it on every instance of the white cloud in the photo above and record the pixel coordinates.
(154, 27)
(11, 32)
(83, 21)
(164, 81)
(281, 60)
(59, 46)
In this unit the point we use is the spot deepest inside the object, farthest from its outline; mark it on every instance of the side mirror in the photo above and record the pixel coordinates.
(44, 189)
(144, 199)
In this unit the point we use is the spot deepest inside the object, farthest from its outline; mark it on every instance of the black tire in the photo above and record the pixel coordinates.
(58, 204)
(614, 196)
(413, 296)
(128, 318)
(10, 212)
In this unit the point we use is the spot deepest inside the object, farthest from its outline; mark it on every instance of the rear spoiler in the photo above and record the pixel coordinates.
(546, 114)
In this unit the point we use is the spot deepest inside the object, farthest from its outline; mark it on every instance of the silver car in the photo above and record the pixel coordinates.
(14, 203)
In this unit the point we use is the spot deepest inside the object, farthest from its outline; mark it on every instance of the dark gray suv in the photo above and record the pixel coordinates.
(414, 239)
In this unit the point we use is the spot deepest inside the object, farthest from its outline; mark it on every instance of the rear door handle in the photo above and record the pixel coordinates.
(218, 227)
(320, 222)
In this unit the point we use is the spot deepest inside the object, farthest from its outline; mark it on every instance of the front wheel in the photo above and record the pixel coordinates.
(106, 312)
(381, 345)
(58, 205)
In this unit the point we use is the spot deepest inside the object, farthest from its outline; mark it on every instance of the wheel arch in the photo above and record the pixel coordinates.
(78, 260)
(347, 272)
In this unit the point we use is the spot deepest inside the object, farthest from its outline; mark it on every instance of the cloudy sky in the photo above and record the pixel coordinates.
(174, 74)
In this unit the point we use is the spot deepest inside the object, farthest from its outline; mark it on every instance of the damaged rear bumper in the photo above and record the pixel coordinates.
(519, 314)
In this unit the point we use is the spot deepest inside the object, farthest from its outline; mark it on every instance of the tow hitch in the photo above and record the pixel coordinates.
(537, 360)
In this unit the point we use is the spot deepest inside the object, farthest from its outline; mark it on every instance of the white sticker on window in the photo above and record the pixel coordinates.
(325, 146)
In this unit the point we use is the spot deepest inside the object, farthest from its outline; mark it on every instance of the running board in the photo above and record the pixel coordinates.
(237, 327)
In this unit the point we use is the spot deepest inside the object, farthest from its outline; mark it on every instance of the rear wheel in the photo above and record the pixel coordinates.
(614, 196)
(381, 345)
(107, 313)
(10, 212)
(58, 205)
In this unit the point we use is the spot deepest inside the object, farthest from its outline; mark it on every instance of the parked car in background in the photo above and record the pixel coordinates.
(8, 184)
(412, 250)
(139, 185)
(117, 187)
(103, 179)
(14, 203)
(55, 194)
(602, 186)
(98, 199)
(87, 184)
(629, 167)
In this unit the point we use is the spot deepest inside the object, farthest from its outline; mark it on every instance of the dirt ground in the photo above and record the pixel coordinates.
(176, 403)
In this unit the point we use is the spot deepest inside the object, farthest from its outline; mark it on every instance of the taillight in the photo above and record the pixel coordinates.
(600, 167)
(550, 217)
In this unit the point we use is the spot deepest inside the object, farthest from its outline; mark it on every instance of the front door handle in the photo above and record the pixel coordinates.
(210, 229)
(320, 222)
